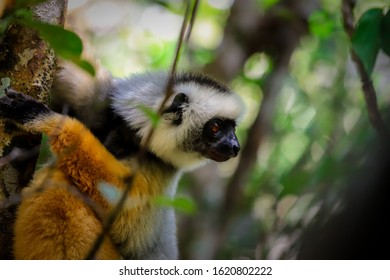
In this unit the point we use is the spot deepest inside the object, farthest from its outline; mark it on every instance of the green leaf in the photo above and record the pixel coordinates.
(366, 38)
(83, 64)
(151, 114)
(64, 42)
(182, 204)
(5, 83)
(385, 33)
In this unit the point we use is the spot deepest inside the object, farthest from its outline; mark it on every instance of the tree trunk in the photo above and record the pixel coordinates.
(30, 64)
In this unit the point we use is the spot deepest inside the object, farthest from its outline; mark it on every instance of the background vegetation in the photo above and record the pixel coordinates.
(306, 133)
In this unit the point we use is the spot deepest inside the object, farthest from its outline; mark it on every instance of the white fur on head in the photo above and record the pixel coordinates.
(207, 99)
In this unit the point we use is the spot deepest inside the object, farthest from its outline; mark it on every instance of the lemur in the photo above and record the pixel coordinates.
(97, 144)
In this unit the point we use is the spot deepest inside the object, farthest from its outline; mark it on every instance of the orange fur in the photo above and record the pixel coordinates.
(56, 224)
(56, 220)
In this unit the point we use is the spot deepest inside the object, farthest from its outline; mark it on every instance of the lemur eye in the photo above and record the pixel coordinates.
(215, 127)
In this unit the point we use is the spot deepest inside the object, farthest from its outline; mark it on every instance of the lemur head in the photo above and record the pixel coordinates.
(197, 123)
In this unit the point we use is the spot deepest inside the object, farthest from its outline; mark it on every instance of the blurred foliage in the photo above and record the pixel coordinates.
(320, 135)
(181, 204)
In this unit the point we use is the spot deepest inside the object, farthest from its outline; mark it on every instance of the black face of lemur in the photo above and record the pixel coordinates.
(221, 141)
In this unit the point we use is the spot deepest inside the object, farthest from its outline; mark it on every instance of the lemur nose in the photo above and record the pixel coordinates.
(236, 149)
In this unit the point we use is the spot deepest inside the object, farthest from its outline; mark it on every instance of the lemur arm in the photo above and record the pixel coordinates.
(79, 154)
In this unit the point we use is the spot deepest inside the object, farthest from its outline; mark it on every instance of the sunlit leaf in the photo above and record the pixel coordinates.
(385, 33)
(182, 204)
(366, 38)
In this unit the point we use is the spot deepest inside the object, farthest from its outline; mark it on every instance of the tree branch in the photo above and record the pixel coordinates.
(367, 85)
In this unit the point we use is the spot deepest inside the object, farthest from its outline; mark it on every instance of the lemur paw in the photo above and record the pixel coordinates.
(21, 108)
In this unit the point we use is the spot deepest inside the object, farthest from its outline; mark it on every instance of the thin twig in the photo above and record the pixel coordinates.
(192, 20)
(141, 154)
(367, 85)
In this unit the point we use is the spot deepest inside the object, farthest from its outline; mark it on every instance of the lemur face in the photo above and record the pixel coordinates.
(216, 140)
(202, 116)
(197, 124)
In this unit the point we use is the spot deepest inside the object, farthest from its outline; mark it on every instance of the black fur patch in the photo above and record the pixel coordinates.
(21, 108)
(176, 108)
(201, 79)
(118, 138)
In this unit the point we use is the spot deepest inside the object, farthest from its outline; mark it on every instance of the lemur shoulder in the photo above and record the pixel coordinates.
(62, 210)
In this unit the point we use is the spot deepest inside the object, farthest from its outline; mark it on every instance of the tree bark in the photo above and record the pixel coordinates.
(30, 64)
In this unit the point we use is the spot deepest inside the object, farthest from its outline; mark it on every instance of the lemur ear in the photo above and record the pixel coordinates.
(180, 100)
(176, 108)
